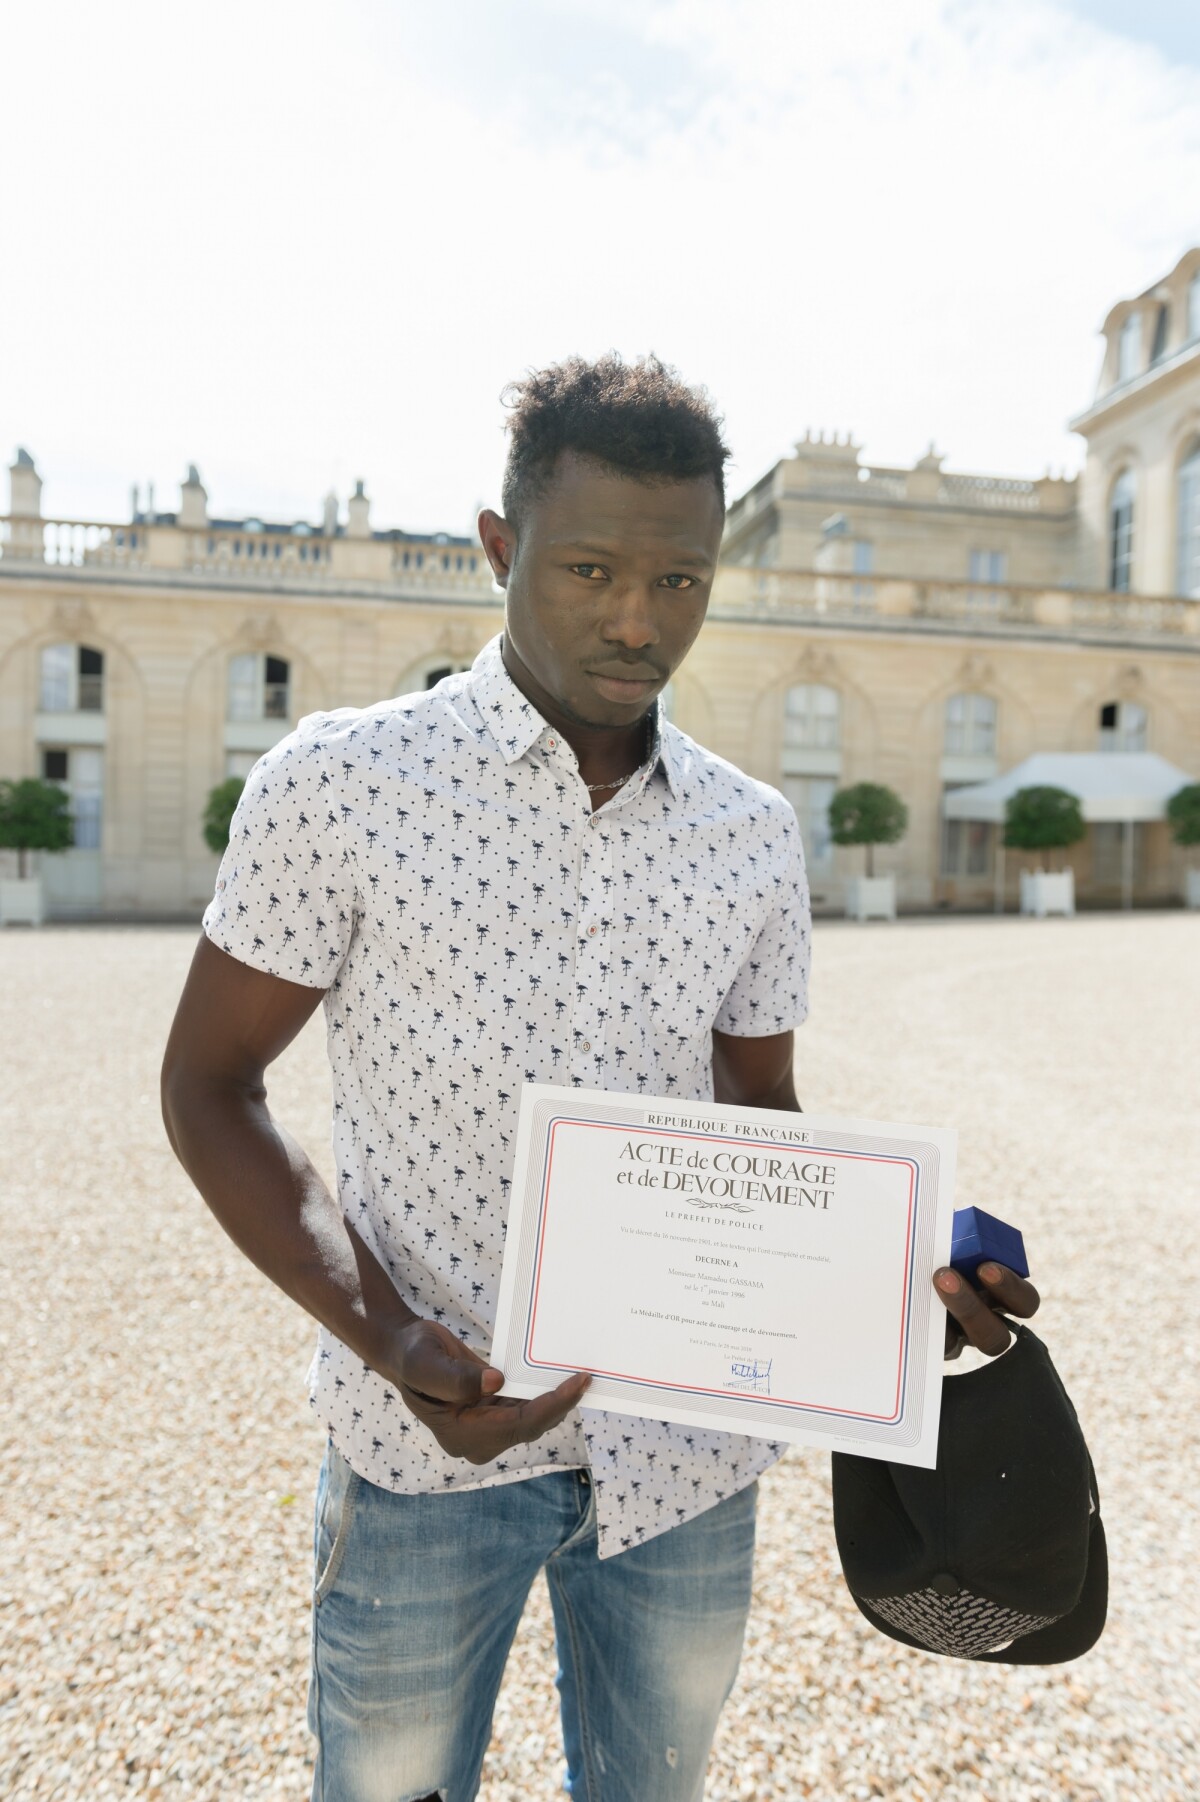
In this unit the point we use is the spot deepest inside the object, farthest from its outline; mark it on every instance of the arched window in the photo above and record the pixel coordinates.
(433, 670)
(1188, 506)
(71, 679)
(1122, 726)
(1120, 532)
(970, 729)
(1129, 349)
(811, 719)
(1193, 307)
(259, 686)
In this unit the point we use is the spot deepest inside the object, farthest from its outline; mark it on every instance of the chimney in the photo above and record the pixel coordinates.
(329, 517)
(193, 500)
(24, 488)
(358, 509)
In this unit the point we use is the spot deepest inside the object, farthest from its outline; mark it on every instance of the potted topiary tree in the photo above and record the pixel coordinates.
(34, 816)
(868, 814)
(219, 812)
(1044, 819)
(1183, 817)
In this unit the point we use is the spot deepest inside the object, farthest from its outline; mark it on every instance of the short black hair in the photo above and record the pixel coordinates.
(641, 418)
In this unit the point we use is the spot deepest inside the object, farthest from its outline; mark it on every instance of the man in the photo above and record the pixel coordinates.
(526, 874)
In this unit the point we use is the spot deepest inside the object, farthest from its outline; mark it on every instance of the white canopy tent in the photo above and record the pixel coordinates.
(1121, 787)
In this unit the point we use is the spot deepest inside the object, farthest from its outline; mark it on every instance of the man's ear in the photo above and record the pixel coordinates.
(499, 543)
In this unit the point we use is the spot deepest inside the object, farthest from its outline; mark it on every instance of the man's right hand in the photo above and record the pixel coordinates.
(452, 1390)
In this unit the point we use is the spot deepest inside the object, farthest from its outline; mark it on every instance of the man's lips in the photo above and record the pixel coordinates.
(623, 685)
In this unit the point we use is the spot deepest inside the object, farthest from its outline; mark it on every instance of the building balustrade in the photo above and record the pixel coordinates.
(818, 598)
(377, 567)
(237, 557)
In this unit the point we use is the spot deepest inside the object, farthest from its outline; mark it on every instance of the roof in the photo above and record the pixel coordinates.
(1110, 785)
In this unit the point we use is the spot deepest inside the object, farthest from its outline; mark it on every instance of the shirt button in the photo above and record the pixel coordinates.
(220, 882)
(586, 1046)
(592, 932)
(553, 743)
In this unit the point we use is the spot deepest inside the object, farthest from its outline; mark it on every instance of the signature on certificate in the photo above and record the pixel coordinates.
(753, 1374)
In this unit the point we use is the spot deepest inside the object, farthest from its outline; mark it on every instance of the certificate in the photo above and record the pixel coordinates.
(730, 1267)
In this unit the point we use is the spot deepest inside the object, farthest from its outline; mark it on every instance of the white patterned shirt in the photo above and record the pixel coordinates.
(434, 864)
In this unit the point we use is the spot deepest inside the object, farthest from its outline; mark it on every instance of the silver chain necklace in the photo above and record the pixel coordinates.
(593, 787)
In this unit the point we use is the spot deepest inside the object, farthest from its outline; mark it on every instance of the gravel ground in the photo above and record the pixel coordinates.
(161, 1456)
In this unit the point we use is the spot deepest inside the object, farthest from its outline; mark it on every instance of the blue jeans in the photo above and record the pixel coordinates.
(416, 1600)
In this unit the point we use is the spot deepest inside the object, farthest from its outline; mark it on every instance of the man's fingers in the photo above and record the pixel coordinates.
(1015, 1294)
(982, 1326)
(533, 1418)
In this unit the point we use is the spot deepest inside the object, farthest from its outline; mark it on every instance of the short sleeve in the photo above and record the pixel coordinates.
(285, 897)
(769, 994)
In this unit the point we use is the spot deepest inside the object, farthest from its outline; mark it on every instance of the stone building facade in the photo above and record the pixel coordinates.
(908, 626)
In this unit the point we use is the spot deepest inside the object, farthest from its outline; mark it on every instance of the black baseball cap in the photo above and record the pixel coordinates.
(998, 1554)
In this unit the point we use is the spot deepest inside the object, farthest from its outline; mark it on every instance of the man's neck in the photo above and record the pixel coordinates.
(604, 752)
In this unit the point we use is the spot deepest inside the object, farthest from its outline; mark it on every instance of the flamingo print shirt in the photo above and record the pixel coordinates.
(433, 864)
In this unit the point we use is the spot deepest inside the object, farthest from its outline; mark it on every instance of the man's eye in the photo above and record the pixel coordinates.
(590, 571)
(680, 581)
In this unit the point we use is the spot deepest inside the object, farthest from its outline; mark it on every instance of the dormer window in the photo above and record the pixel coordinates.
(1158, 348)
(1129, 348)
(1193, 309)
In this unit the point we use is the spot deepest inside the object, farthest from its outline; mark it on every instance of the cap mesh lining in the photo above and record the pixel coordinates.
(964, 1624)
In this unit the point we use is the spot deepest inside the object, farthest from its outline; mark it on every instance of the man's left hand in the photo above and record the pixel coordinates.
(977, 1315)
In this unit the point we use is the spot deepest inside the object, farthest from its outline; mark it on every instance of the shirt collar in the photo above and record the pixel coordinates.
(516, 725)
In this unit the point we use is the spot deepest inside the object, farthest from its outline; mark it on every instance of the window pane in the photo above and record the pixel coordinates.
(966, 844)
(58, 679)
(982, 738)
(1129, 348)
(970, 729)
(87, 815)
(978, 836)
(54, 766)
(951, 846)
(1131, 726)
(810, 797)
(1123, 726)
(245, 687)
(810, 721)
(1120, 533)
(1189, 526)
(240, 763)
(1193, 315)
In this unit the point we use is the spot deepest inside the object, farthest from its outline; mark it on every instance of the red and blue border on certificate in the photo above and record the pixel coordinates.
(743, 1397)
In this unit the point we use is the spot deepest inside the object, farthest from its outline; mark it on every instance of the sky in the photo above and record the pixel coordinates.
(302, 244)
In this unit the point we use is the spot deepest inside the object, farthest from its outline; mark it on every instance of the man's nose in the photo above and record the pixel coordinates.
(632, 620)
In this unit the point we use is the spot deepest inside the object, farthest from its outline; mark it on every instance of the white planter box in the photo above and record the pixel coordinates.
(871, 898)
(1191, 888)
(1047, 892)
(21, 901)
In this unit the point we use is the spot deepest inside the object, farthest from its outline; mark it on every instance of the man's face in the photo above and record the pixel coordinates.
(607, 584)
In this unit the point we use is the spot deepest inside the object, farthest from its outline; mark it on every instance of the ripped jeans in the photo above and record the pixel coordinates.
(415, 1604)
